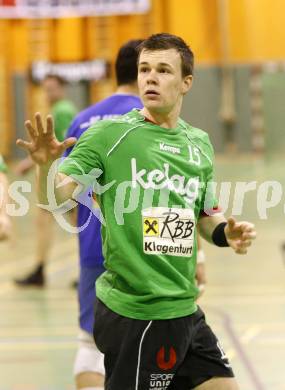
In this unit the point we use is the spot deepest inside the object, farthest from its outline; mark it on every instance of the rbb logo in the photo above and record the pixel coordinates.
(174, 227)
(164, 364)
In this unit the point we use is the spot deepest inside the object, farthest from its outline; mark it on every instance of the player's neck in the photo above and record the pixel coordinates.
(168, 120)
(57, 99)
(128, 89)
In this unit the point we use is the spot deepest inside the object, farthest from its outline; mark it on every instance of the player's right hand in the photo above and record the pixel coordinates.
(43, 146)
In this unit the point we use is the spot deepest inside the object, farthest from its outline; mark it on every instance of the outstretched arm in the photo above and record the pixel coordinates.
(44, 148)
(238, 235)
(24, 166)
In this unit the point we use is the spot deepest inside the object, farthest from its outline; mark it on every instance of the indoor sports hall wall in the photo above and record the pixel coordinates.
(223, 33)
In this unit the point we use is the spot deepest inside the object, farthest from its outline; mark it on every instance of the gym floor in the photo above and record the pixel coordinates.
(244, 301)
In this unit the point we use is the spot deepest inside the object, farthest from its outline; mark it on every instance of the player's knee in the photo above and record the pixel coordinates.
(218, 383)
(88, 357)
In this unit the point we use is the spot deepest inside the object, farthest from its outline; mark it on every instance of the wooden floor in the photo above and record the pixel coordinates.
(244, 301)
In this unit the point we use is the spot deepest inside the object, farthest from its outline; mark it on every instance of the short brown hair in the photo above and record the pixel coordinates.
(164, 41)
(127, 62)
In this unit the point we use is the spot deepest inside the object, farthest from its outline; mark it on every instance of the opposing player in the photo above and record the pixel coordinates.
(153, 190)
(89, 366)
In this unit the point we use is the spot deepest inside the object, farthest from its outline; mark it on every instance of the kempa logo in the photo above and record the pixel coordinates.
(168, 148)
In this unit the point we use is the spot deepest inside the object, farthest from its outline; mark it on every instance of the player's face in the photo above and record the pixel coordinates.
(53, 90)
(160, 81)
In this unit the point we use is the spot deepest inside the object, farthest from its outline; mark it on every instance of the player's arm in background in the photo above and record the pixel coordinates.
(5, 221)
(24, 166)
(201, 266)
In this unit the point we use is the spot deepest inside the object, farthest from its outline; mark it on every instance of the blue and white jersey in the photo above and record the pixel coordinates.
(90, 244)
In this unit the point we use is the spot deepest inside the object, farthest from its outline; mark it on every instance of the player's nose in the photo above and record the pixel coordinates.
(152, 77)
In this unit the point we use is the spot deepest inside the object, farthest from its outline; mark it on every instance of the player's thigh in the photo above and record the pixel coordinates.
(219, 384)
(204, 360)
(139, 354)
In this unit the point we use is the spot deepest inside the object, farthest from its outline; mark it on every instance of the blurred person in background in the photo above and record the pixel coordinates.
(63, 112)
(5, 222)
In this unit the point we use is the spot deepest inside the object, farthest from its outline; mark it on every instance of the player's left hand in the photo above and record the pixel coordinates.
(239, 235)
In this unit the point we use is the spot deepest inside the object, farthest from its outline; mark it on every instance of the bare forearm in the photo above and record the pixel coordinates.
(25, 165)
(208, 224)
(49, 185)
(42, 186)
(222, 232)
(4, 193)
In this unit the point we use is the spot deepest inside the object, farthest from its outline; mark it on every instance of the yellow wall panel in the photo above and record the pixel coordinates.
(197, 22)
(39, 39)
(257, 30)
(127, 28)
(159, 16)
(238, 30)
(70, 39)
(18, 45)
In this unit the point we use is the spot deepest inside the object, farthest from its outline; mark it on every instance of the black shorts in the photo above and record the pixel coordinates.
(176, 354)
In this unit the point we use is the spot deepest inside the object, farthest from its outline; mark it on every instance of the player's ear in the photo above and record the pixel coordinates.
(187, 84)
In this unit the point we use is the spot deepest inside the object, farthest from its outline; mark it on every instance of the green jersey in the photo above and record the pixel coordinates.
(63, 113)
(151, 191)
(3, 167)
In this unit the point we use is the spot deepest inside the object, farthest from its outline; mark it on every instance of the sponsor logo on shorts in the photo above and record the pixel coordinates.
(168, 231)
(160, 381)
(164, 364)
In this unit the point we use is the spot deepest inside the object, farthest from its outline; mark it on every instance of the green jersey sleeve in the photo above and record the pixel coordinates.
(87, 158)
(3, 167)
